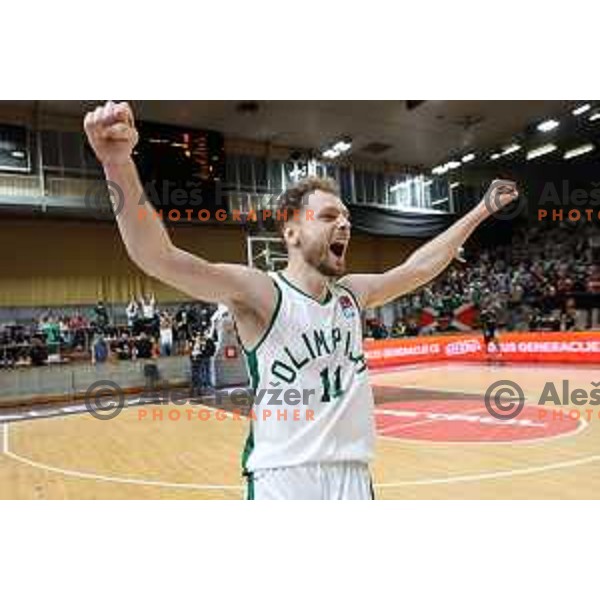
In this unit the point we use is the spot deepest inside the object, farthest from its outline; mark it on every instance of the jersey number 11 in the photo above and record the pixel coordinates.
(337, 384)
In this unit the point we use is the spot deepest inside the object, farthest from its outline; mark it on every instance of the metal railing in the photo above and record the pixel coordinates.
(395, 191)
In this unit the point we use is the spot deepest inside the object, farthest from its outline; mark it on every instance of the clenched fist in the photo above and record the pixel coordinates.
(111, 132)
(500, 193)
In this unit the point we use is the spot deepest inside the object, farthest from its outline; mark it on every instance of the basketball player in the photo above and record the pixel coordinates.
(300, 328)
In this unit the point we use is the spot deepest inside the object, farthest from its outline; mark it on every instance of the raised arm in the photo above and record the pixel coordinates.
(432, 258)
(112, 135)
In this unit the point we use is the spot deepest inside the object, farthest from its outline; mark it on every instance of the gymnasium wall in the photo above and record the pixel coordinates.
(72, 262)
(60, 262)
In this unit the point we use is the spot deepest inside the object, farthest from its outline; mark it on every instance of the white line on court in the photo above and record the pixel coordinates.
(496, 474)
(109, 478)
(193, 486)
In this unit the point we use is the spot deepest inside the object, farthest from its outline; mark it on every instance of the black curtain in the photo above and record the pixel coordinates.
(383, 221)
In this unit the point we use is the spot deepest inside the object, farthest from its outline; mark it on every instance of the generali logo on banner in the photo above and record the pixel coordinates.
(567, 347)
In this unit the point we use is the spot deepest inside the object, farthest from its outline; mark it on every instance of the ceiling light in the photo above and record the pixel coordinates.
(541, 151)
(584, 149)
(495, 156)
(581, 109)
(548, 125)
(342, 146)
(330, 153)
(510, 149)
(595, 116)
(468, 157)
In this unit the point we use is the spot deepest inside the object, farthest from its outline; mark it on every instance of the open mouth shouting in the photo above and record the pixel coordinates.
(338, 249)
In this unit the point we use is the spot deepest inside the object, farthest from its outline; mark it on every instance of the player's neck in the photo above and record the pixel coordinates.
(307, 278)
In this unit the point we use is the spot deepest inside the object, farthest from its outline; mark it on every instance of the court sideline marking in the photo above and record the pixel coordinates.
(193, 486)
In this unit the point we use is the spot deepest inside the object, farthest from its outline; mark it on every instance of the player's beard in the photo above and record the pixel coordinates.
(332, 269)
(324, 262)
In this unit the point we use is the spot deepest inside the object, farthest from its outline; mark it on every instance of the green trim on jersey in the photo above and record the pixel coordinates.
(250, 488)
(252, 361)
(248, 447)
(321, 302)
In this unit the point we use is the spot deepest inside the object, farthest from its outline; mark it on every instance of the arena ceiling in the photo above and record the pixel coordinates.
(414, 133)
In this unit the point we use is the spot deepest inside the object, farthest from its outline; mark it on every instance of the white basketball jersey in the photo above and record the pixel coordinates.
(310, 368)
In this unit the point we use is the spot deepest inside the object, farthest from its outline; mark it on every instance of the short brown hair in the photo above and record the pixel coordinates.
(294, 197)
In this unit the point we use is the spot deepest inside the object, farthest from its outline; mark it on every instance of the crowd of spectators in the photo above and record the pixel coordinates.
(533, 283)
(143, 332)
(42, 339)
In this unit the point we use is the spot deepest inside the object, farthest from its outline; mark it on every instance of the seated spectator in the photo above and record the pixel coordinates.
(412, 328)
(568, 316)
(143, 346)
(379, 331)
(568, 320)
(398, 329)
(38, 352)
(593, 281)
(123, 349)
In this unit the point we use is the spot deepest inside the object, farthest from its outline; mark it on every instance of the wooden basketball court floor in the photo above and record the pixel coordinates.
(435, 440)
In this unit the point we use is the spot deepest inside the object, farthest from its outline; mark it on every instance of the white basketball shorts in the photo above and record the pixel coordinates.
(318, 481)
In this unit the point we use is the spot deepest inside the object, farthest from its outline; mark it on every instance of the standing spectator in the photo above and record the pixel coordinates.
(148, 308)
(51, 329)
(201, 356)
(78, 326)
(101, 316)
(38, 352)
(133, 312)
(166, 334)
(66, 335)
(100, 349)
(196, 368)
(181, 329)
